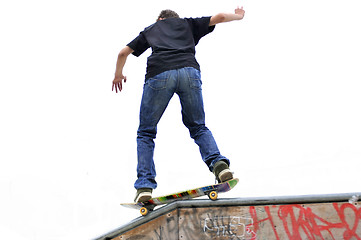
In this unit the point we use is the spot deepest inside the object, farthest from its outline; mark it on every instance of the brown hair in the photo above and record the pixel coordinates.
(167, 14)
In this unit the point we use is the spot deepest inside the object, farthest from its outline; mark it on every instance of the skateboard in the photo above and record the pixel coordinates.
(211, 191)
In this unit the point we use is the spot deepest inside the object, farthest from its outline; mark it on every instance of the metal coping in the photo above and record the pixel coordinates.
(229, 202)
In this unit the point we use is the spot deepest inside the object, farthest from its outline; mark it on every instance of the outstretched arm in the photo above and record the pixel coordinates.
(119, 77)
(227, 17)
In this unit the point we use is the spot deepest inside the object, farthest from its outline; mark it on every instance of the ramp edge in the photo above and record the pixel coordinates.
(251, 201)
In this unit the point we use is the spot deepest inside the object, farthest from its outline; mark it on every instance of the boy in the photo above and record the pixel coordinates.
(172, 68)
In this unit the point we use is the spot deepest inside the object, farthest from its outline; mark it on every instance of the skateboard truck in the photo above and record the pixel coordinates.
(146, 209)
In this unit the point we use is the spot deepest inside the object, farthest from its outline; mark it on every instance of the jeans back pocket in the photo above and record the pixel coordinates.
(158, 82)
(194, 77)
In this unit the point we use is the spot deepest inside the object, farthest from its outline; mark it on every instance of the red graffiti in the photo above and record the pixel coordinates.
(257, 222)
(346, 210)
(251, 234)
(299, 222)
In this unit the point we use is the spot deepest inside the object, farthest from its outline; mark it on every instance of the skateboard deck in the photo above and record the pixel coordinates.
(211, 191)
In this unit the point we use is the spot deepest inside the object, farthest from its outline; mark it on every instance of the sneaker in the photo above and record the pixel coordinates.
(222, 172)
(143, 195)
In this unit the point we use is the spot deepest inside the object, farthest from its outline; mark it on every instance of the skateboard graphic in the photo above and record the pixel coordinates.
(211, 191)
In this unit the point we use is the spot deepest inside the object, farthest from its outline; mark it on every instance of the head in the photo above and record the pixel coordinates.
(167, 14)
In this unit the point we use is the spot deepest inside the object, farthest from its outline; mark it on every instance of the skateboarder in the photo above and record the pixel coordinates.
(172, 68)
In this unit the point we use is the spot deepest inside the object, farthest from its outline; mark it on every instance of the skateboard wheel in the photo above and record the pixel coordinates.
(144, 211)
(213, 195)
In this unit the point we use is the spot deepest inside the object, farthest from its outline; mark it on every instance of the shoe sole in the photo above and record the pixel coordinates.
(225, 175)
(143, 197)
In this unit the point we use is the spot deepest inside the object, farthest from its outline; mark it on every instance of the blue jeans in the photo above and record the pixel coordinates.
(157, 92)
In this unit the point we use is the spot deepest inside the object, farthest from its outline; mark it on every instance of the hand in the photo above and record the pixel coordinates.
(239, 11)
(118, 83)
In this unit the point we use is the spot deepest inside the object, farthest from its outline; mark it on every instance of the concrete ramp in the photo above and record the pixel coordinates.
(333, 216)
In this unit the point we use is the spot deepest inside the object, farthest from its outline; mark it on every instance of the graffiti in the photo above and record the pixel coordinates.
(233, 227)
(323, 221)
(300, 222)
(196, 220)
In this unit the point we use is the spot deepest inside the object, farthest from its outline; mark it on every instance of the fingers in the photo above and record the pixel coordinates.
(239, 11)
(118, 83)
(117, 86)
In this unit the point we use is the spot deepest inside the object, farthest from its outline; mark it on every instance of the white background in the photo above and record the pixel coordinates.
(281, 90)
